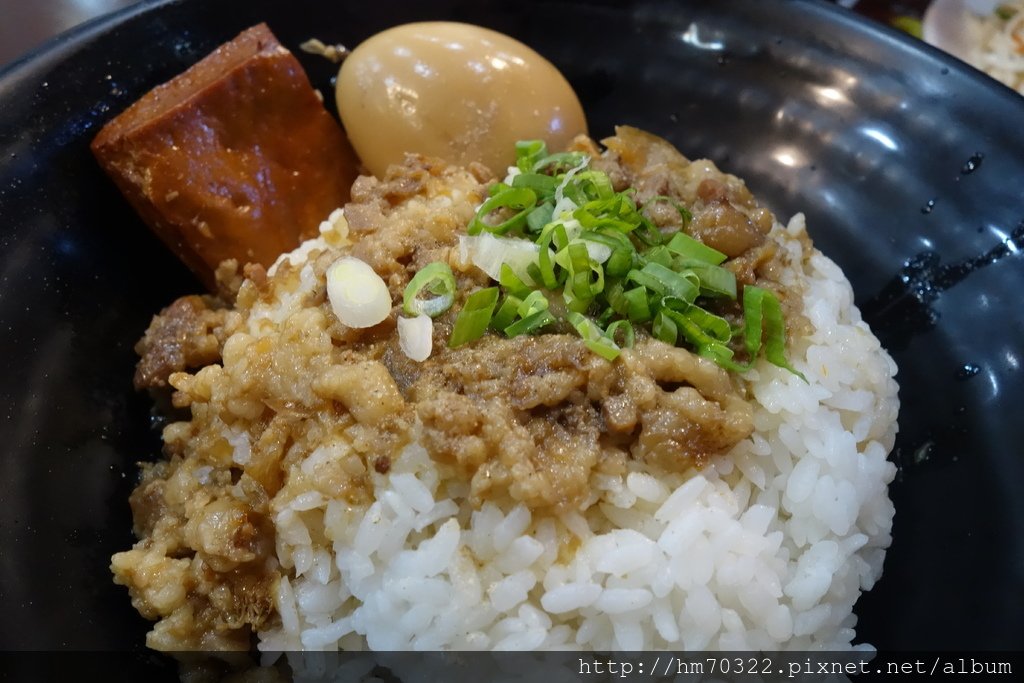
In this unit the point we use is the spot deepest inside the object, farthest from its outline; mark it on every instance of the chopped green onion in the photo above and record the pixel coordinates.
(722, 355)
(539, 183)
(714, 280)
(474, 317)
(506, 313)
(529, 324)
(595, 185)
(603, 238)
(572, 235)
(762, 315)
(648, 233)
(520, 199)
(533, 270)
(592, 336)
(690, 330)
(638, 308)
(489, 253)
(545, 264)
(358, 296)
(660, 255)
(628, 334)
(658, 278)
(606, 317)
(619, 263)
(511, 282)
(539, 217)
(559, 237)
(528, 153)
(559, 162)
(436, 279)
(664, 329)
(586, 277)
(690, 248)
(534, 303)
(753, 312)
(775, 333)
(714, 326)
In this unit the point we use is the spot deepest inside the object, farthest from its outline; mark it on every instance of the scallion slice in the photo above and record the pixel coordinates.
(714, 326)
(592, 336)
(435, 279)
(560, 162)
(539, 217)
(714, 280)
(534, 303)
(531, 323)
(512, 283)
(762, 315)
(775, 335)
(638, 307)
(506, 313)
(415, 337)
(664, 329)
(474, 317)
(690, 248)
(538, 182)
(628, 334)
(528, 153)
(666, 281)
(546, 264)
(519, 199)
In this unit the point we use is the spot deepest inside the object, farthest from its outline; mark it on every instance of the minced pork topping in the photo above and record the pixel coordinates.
(281, 399)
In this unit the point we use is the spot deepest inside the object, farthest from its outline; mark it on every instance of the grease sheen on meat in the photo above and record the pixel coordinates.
(291, 401)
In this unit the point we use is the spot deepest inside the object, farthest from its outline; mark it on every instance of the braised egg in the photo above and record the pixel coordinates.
(455, 91)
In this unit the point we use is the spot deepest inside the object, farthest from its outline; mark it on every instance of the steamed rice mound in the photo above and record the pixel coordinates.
(301, 503)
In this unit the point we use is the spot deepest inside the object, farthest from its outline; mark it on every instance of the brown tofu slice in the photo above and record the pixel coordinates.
(236, 158)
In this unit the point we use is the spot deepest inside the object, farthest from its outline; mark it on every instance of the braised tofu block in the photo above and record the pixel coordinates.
(236, 158)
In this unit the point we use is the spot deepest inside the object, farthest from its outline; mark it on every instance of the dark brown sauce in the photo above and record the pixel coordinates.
(972, 164)
(904, 308)
(967, 371)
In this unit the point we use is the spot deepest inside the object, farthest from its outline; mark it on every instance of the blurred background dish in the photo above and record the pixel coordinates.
(947, 24)
(907, 164)
(987, 34)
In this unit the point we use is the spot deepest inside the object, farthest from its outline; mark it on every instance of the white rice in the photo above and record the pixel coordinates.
(766, 548)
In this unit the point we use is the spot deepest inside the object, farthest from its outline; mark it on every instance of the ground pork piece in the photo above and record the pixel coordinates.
(722, 226)
(514, 415)
(543, 459)
(189, 333)
(531, 415)
(366, 389)
(688, 408)
(204, 563)
(411, 217)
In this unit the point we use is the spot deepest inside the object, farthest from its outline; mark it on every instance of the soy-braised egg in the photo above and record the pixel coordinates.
(455, 91)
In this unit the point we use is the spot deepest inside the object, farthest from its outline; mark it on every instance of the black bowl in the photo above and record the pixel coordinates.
(908, 164)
